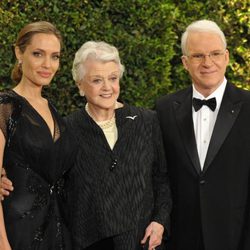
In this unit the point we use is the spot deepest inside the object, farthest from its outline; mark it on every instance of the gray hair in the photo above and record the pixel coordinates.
(99, 51)
(201, 26)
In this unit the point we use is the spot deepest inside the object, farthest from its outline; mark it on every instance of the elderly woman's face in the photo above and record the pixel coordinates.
(101, 84)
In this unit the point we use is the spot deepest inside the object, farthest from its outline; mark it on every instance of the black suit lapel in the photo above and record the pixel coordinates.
(229, 110)
(184, 120)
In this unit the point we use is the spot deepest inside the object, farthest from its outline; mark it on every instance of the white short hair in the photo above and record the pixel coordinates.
(201, 26)
(99, 51)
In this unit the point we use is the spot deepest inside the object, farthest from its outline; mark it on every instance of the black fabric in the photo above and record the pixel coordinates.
(109, 201)
(198, 103)
(37, 163)
(216, 200)
(124, 241)
(103, 244)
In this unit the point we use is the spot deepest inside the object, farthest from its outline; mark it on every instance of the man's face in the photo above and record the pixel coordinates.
(206, 61)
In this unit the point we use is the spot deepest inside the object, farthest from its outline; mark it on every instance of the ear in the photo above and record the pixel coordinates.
(81, 91)
(184, 62)
(78, 84)
(227, 56)
(19, 54)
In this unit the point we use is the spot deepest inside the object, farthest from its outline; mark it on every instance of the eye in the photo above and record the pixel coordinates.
(97, 81)
(197, 56)
(56, 57)
(37, 54)
(216, 54)
(114, 78)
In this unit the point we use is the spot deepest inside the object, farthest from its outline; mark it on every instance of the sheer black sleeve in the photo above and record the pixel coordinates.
(6, 109)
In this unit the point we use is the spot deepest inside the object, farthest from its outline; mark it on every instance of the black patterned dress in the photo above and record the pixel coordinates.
(38, 163)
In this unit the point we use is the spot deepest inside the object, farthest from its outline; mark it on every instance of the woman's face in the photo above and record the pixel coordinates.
(101, 84)
(40, 60)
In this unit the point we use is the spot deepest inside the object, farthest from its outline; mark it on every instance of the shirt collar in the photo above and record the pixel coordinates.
(218, 93)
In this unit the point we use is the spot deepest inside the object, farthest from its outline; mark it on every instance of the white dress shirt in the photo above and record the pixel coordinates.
(204, 120)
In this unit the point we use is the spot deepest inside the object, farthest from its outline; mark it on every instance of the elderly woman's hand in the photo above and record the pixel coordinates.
(155, 232)
(5, 185)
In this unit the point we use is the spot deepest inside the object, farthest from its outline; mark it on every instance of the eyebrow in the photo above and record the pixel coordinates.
(219, 50)
(115, 72)
(42, 50)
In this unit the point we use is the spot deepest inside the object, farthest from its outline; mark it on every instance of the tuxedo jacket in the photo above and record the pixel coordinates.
(213, 204)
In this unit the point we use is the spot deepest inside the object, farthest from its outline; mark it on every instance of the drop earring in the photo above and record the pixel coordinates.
(20, 62)
(81, 92)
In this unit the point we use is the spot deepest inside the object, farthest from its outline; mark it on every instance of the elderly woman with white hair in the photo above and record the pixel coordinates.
(119, 186)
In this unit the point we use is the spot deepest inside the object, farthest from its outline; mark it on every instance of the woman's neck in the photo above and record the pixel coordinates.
(29, 92)
(100, 114)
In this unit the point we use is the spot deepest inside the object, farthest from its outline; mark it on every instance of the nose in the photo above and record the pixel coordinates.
(46, 62)
(106, 84)
(207, 60)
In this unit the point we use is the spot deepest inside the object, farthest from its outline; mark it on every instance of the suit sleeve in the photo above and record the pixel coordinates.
(246, 228)
(162, 194)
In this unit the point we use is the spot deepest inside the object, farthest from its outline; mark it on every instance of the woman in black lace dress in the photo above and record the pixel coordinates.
(35, 147)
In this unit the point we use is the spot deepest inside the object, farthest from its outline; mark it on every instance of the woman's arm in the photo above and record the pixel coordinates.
(4, 243)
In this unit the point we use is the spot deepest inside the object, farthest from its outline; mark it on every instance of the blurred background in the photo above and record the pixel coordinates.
(146, 32)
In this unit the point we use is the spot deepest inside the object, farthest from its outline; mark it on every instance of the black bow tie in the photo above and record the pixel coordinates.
(198, 103)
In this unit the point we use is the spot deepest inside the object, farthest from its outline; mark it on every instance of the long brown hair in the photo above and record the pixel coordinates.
(24, 39)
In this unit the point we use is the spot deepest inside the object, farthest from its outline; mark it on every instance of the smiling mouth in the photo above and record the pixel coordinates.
(45, 75)
(106, 95)
(208, 73)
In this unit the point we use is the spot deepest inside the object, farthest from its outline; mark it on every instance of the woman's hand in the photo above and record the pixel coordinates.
(5, 185)
(155, 232)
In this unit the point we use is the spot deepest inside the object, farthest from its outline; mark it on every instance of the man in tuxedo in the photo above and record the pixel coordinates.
(206, 131)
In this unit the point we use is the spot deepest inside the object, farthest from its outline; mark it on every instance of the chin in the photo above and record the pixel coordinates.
(107, 107)
(45, 83)
(109, 103)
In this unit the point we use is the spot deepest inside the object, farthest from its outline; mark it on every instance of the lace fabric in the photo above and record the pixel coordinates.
(6, 109)
(36, 161)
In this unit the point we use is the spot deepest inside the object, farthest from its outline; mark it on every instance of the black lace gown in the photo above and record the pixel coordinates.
(37, 162)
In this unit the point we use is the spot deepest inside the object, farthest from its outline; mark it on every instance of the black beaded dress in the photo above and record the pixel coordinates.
(38, 163)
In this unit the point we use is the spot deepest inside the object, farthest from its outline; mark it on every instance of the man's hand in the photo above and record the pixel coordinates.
(155, 232)
(5, 185)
